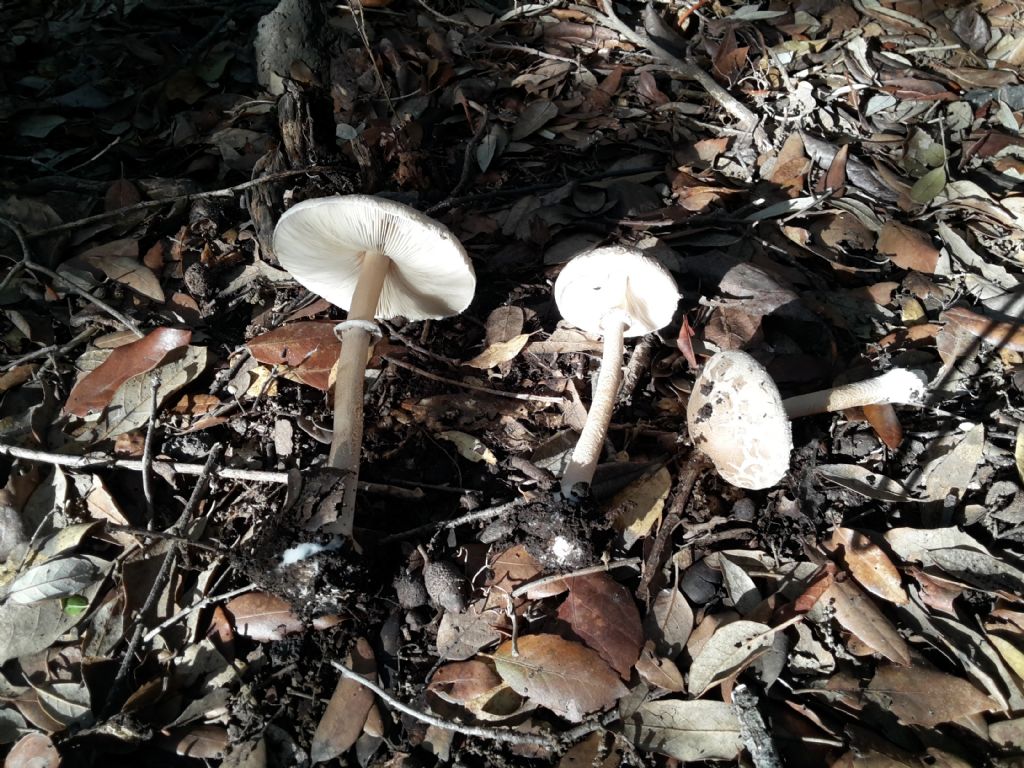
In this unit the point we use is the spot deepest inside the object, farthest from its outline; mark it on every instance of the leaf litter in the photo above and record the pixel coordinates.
(836, 191)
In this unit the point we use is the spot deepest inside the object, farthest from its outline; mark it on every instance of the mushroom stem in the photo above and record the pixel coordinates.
(588, 448)
(346, 444)
(899, 386)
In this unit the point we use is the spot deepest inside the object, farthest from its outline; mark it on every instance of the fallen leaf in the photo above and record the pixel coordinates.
(690, 731)
(861, 480)
(533, 118)
(504, 324)
(462, 635)
(94, 391)
(601, 612)
(995, 333)
(58, 578)
(907, 247)
(263, 617)
(858, 615)
(128, 271)
(463, 681)
(33, 750)
(638, 506)
(121, 194)
(928, 186)
(669, 622)
(870, 566)
(200, 742)
(346, 712)
(308, 349)
(469, 447)
(731, 648)
(922, 696)
(566, 677)
(660, 672)
(499, 352)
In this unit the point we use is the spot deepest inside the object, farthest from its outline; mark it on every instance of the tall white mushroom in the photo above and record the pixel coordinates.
(737, 417)
(612, 292)
(377, 259)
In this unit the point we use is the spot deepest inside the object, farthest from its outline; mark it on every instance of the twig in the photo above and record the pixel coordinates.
(631, 562)
(147, 453)
(475, 387)
(53, 348)
(27, 263)
(161, 578)
(494, 734)
(468, 154)
(472, 517)
(179, 468)
(193, 608)
(695, 464)
(146, 205)
(728, 102)
(184, 540)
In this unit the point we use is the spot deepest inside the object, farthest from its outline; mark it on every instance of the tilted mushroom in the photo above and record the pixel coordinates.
(737, 417)
(377, 259)
(612, 292)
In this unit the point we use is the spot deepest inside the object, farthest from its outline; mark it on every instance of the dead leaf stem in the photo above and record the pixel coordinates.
(630, 562)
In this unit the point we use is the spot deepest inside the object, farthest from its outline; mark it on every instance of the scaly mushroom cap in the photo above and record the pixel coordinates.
(322, 243)
(616, 278)
(736, 418)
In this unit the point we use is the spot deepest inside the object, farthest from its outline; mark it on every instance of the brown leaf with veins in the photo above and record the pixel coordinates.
(907, 247)
(921, 696)
(858, 615)
(566, 677)
(263, 617)
(870, 566)
(886, 423)
(309, 349)
(602, 613)
(95, 390)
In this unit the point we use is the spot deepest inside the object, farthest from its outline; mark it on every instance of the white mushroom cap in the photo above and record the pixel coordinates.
(616, 279)
(322, 243)
(736, 418)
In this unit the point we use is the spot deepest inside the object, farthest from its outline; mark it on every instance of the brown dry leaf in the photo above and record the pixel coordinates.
(464, 681)
(669, 622)
(835, 177)
(858, 615)
(94, 391)
(937, 593)
(602, 614)
(660, 672)
(510, 570)
(907, 247)
(33, 750)
(504, 324)
(16, 377)
(638, 506)
(309, 349)
(346, 712)
(500, 352)
(566, 677)
(922, 696)
(791, 166)
(121, 194)
(462, 635)
(201, 742)
(127, 270)
(598, 750)
(886, 423)
(870, 566)
(263, 617)
(733, 647)
(998, 334)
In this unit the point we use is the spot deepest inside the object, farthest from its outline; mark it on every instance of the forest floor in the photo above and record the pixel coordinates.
(836, 189)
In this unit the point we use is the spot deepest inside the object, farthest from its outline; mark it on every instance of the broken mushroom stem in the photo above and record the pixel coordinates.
(591, 442)
(899, 386)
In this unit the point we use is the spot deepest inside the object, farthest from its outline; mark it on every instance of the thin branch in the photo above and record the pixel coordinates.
(27, 263)
(472, 517)
(146, 205)
(147, 452)
(475, 387)
(494, 734)
(53, 348)
(631, 562)
(198, 606)
(179, 468)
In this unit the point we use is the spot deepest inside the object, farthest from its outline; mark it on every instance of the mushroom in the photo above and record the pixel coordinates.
(739, 420)
(377, 259)
(613, 292)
